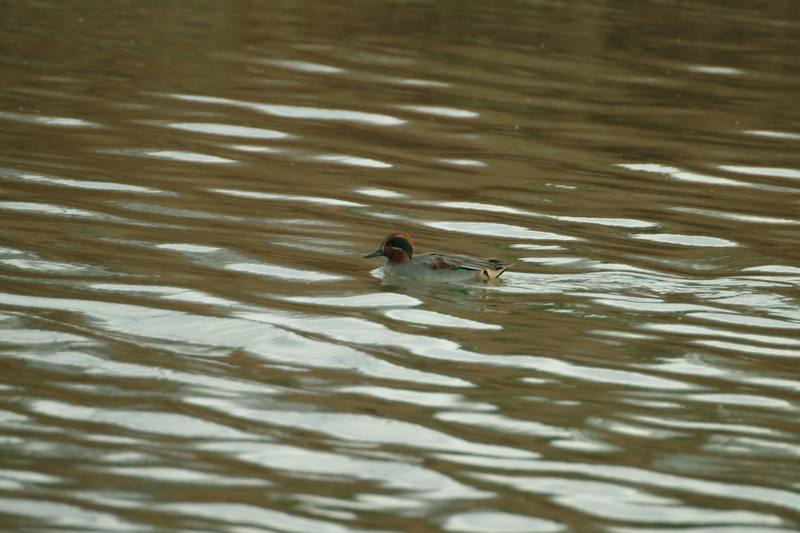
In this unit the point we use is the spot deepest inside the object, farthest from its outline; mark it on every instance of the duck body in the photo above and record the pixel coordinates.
(402, 262)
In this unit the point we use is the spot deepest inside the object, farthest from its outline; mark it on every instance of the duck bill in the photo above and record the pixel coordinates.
(376, 253)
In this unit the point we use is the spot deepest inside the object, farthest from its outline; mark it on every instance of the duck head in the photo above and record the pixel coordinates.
(397, 247)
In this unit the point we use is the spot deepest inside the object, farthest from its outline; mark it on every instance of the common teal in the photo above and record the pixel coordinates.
(398, 248)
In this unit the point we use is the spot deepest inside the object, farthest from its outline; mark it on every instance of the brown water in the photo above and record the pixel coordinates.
(191, 341)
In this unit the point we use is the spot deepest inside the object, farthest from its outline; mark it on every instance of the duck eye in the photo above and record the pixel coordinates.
(399, 242)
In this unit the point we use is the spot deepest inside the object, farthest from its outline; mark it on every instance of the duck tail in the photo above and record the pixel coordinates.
(489, 275)
(500, 272)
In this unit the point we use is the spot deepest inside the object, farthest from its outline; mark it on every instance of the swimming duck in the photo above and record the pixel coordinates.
(398, 248)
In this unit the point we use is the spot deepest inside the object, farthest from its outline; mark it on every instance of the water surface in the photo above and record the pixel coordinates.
(191, 340)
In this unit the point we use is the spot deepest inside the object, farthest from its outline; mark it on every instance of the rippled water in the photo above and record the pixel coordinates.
(191, 340)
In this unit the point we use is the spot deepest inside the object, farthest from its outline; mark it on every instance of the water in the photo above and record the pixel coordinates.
(191, 340)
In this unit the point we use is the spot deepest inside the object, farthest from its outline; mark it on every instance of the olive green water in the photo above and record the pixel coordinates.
(190, 340)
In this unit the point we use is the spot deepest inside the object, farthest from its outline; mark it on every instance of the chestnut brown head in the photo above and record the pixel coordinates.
(397, 247)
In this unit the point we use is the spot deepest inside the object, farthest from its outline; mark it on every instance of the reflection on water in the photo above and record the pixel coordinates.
(192, 341)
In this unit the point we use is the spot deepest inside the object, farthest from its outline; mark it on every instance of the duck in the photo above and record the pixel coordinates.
(402, 262)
